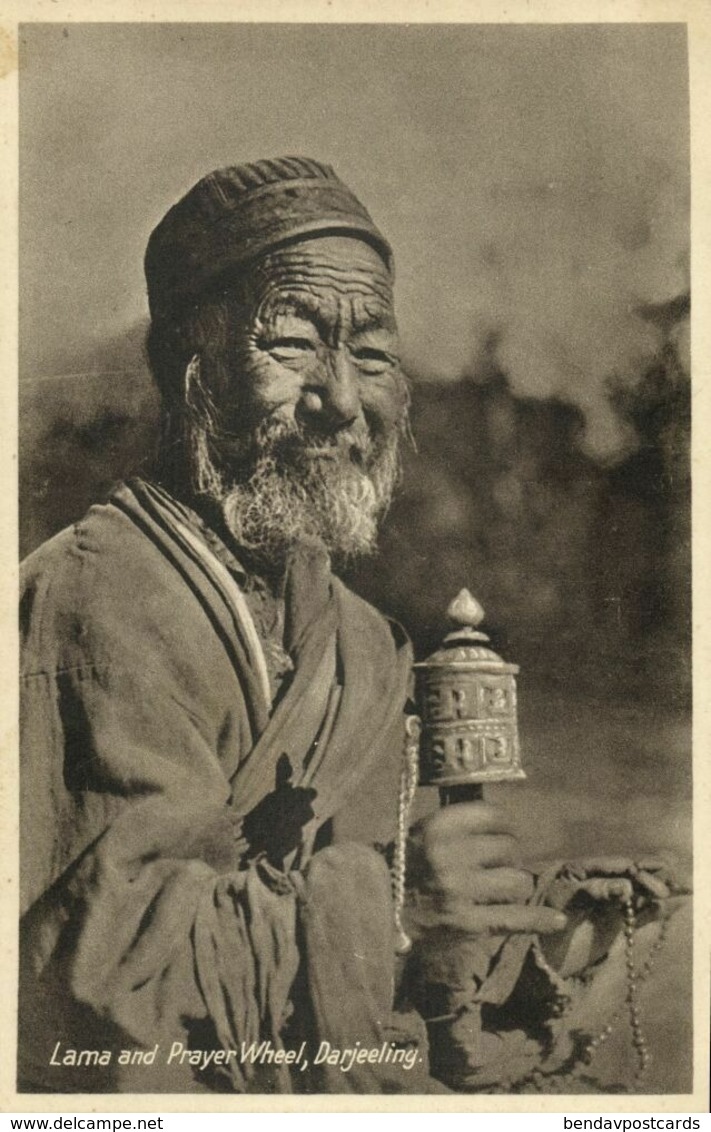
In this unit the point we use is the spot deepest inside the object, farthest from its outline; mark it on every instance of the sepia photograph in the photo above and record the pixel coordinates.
(355, 540)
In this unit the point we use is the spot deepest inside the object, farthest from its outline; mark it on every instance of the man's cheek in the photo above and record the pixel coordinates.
(385, 400)
(273, 388)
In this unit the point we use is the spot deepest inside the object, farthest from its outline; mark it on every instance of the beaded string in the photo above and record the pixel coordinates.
(638, 1038)
(408, 786)
(562, 997)
(634, 978)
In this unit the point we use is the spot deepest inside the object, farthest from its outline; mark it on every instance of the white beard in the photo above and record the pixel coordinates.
(295, 493)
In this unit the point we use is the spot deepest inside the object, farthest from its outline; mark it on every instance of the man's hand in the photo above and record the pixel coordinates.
(595, 894)
(645, 881)
(464, 877)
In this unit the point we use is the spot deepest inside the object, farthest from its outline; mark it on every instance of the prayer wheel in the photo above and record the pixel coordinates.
(467, 732)
(466, 695)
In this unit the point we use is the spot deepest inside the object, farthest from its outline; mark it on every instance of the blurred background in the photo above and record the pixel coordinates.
(534, 183)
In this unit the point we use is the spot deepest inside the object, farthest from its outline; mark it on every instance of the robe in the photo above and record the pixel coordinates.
(181, 890)
(174, 889)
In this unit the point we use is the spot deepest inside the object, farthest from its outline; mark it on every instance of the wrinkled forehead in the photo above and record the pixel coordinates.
(316, 274)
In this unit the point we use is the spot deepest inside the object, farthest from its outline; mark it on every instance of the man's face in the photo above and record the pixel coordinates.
(317, 399)
(319, 347)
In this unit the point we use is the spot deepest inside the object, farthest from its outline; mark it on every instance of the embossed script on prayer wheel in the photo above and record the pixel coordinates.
(467, 699)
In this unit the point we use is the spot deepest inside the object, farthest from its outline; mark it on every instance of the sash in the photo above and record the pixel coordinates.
(348, 689)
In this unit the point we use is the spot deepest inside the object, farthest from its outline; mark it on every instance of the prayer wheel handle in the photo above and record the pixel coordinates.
(466, 732)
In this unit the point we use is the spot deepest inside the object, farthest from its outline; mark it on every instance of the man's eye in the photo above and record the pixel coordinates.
(288, 349)
(373, 361)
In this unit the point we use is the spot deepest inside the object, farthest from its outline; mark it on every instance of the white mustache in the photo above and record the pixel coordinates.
(284, 437)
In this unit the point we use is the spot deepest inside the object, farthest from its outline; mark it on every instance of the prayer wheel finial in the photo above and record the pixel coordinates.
(465, 611)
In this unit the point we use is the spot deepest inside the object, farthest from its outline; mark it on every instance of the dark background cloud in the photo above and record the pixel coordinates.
(533, 179)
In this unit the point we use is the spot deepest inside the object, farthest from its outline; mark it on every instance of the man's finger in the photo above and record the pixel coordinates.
(653, 885)
(606, 888)
(492, 850)
(491, 886)
(465, 819)
(606, 866)
(654, 864)
(504, 919)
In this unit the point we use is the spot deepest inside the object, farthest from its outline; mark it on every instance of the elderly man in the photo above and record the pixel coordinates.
(203, 698)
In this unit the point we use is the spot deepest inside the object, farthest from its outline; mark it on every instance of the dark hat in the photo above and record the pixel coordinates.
(235, 215)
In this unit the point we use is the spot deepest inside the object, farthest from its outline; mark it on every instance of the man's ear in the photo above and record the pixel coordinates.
(191, 380)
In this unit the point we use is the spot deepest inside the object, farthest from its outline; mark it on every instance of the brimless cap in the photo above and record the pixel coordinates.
(234, 215)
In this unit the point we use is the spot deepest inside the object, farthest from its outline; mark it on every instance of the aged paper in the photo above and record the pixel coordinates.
(537, 204)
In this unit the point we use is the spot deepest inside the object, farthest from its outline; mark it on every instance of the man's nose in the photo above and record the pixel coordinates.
(332, 393)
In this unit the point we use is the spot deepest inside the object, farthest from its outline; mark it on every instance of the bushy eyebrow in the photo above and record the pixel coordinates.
(296, 305)
(370, 321)
(310, 309)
